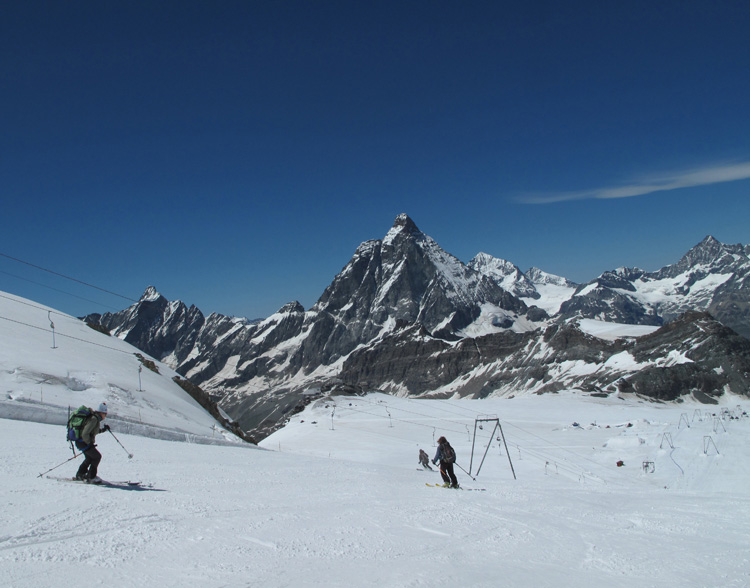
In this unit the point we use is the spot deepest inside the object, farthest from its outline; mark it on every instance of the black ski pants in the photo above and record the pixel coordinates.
(446, 471)
(90, 464)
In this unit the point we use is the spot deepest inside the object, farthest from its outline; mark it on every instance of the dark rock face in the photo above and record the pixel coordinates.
(403, 316)
(154, 325)
(694, 355)
(605, 303)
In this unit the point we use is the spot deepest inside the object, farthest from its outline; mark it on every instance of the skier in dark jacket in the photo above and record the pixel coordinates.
(424, 459)
(89, 431)
(446, 455)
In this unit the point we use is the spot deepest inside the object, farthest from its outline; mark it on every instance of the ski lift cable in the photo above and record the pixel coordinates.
(562, 462)
(520, 429)
(57, 290)
(67, 277)
(454, 407)
(432, 417)
(481, 437)
(484, 435)
(34, 306)
(380, 416)
(563, 465)
(578, 456)
(46, 330)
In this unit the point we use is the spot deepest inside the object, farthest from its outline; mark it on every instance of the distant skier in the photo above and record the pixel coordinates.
(447, 457)
(424, 459)
(89, 430)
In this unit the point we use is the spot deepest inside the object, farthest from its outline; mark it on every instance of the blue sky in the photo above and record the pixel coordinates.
(235, 154)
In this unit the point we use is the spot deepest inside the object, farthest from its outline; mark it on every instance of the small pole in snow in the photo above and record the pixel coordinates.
(52, 326)
(140, 388)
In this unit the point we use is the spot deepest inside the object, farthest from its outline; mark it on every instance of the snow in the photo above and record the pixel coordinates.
(86, 367)
(490, 319)
(613, 331)
(588, 289)
(668, 290)
(623, 361)
(336, 499)
(552, 297)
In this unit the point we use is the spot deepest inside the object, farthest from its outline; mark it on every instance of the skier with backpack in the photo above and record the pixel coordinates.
(447, 457)
(83, 427)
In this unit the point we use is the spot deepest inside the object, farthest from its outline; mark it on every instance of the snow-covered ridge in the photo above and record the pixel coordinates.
(43, 371)
(506, 274)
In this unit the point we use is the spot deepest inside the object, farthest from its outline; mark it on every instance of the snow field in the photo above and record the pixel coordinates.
(342, 503)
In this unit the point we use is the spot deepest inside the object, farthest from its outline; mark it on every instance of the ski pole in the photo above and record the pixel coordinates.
(57, 466)
(130, 455)
(467, 473)
(70, 441)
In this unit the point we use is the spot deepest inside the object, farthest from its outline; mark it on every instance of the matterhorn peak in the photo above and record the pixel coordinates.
(403, 225)
(290, 307)
(403, 220)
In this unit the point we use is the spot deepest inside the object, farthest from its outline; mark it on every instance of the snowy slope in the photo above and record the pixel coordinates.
(553, 290)
(337, 500)
(613, 331)
(505, 273)
(39, 382)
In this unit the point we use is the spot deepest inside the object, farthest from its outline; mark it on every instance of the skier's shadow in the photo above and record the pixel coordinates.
(133, 488)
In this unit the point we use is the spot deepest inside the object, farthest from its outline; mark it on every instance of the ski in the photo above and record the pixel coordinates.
(459, 488)
(104, 483)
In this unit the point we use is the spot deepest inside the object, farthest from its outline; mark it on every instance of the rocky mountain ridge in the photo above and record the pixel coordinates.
(406, 317)
(712, 277)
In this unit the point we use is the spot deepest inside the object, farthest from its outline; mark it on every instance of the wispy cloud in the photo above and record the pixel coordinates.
(686, 179)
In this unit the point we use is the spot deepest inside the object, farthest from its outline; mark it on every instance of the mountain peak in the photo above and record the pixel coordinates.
(403, 222)
(290, 307)
(150, 294)
(403, 225)
(539, 277)
(707, 252)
